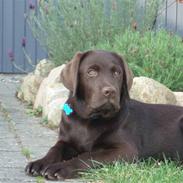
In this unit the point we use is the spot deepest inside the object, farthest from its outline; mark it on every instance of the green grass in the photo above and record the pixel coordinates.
(149, 171)
(40, 179)
(26, 152)
(34, 112)
(44, 120)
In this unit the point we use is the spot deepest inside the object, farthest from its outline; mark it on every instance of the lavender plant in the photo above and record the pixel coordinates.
(66, 26)
(28, 58)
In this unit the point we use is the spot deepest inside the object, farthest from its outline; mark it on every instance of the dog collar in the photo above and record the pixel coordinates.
(67, 109)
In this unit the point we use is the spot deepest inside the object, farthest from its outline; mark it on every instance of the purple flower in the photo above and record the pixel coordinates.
(11, 55)
(46, 9)
(31, 5)
(24, 41)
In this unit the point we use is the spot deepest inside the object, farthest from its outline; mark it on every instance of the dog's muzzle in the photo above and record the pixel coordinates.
(107, 110)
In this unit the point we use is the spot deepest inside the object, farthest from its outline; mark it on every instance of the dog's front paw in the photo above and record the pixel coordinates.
(59, 171)
(34, 168)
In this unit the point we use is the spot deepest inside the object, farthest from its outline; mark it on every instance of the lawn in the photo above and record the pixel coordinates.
(149, 171)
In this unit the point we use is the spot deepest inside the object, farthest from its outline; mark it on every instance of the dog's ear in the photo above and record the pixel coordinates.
(128, 71)
(69, 75)
(129, 74)
(127, 81)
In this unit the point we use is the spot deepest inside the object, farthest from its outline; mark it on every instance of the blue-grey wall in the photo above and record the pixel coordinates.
(13, 27)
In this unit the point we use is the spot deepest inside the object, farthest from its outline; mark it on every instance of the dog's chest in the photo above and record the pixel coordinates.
(81, 136)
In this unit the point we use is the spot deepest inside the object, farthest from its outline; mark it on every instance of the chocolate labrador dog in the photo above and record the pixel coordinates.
(100, 122)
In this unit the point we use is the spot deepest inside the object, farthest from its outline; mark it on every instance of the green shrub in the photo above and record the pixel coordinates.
(66, 26)
(156, 55)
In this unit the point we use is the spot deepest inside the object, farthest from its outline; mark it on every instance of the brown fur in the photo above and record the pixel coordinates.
(106, 124)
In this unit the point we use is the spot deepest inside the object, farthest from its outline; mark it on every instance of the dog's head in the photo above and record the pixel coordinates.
(100, 80)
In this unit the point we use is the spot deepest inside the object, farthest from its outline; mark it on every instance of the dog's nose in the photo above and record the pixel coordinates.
(108, 91)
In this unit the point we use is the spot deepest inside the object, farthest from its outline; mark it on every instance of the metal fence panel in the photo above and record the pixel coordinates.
(170, 16)
(7, 33)
(1, 34)
(19, 31)
(13, 27)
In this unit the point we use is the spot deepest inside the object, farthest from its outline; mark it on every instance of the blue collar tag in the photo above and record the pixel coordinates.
(67, 109)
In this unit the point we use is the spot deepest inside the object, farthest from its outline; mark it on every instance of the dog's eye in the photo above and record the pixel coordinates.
(92, 73)
(116, 73)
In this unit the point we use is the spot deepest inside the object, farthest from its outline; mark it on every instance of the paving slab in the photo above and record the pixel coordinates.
(18, 132)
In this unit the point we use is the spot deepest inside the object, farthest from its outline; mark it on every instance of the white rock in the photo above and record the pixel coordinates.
(53, 77)
(51, 95)
(32, 81)
(179, 98)
(150, 91)
(55, 111)
(43, 68)
(41, 94)
(54, 92)
(28, 88)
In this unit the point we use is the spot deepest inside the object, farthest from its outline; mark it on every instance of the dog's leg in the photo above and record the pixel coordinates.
(59, 152)
(70, 168)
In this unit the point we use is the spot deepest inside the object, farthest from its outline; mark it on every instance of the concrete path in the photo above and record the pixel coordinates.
(20, 136)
